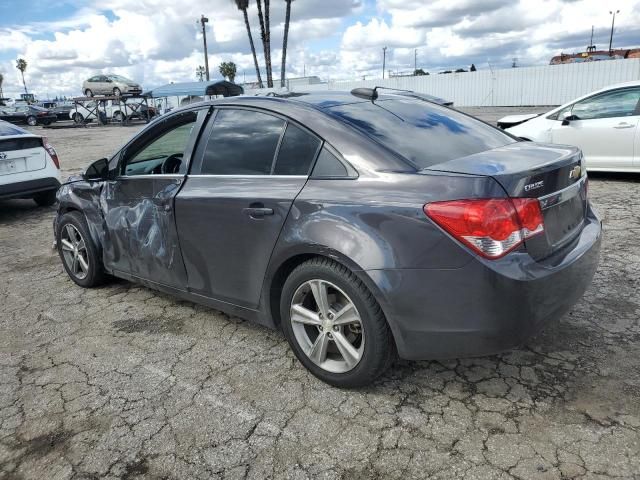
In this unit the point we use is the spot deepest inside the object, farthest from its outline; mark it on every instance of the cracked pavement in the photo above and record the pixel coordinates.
(125, 382)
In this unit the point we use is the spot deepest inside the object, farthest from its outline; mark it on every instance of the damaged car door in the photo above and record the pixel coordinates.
(138, 202)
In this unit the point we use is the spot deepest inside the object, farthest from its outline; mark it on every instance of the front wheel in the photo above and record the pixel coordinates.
(77, 251)
(117, 92)
(334, 324)
(78, 118)
(88, 93)
(32, 121)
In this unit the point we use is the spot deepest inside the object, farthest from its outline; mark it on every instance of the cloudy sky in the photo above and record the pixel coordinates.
(158, 41)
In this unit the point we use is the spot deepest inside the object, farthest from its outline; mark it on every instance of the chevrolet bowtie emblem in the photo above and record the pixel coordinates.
(575, 172)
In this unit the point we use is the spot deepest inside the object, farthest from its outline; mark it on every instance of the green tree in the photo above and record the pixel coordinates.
(228, 70)
(243, 5)
(418, 72)
(21, 64)
(287, 19)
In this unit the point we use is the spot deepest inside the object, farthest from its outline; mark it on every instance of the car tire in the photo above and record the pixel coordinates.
(88, 93)
(32, 121)
(369, 335)
(78, 118)
(118, 117)
(72, 227)
(116, 92)
(45, 199)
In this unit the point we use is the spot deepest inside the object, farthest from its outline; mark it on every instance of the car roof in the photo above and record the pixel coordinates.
(10, 130)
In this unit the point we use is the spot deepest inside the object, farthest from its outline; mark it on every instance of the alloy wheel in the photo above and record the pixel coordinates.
(74, 251)
(327, 326)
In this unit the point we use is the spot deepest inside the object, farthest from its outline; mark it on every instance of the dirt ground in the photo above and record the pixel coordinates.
(124, 382)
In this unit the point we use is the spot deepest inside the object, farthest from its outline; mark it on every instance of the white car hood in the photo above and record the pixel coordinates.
(513, 119)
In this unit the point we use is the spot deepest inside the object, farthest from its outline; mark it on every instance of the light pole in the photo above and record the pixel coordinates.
(204, 20)
(415, 61)
(613, 22)
(384, 60)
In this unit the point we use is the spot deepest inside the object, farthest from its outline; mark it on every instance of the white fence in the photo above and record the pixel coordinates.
(544, 85)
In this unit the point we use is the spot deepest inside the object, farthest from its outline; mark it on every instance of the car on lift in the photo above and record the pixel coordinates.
(110, 110)
(31, 115)
(29, 166)
(604, 124)
(110, 85)
(361, 224)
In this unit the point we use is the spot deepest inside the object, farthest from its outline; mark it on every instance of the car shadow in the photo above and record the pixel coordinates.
(19, 210)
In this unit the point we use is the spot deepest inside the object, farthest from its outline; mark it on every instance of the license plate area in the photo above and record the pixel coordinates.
(564, 213)
(13, 165)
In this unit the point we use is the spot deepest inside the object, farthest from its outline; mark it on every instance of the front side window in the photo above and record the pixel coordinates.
(620, 103)
(242, 142)
(162, 151)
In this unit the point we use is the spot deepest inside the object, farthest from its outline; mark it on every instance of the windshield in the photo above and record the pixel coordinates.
(423, 133)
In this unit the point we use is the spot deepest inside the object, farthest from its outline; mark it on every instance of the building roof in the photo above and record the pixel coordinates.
(196, 89)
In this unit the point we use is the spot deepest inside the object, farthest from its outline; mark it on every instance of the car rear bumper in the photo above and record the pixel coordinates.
(486, 306)
(27, 188)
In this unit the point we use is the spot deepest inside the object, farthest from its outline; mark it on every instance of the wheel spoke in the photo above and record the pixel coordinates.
(80, 244)
(318, 351)
(74, 264)
(346, 315)
(66, 245)
(319, 290)
(300, 314)
(348, 352)
(71, 233)
(83, 263)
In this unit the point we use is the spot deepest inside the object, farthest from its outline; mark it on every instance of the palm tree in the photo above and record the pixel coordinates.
(228, 70)
(243, 5)
(1, 81)
(284, 42)
(21, 64)
(264, 31)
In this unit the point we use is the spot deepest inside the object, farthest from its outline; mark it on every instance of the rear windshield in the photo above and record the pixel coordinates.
(423, 133)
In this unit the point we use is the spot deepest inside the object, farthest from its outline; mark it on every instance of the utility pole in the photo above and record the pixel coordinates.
(384, 60)
(204, 20)
(415, 61)
(613, 22)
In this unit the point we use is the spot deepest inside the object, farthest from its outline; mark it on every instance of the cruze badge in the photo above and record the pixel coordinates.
(3, 155)
(575, 172)
(533, 186)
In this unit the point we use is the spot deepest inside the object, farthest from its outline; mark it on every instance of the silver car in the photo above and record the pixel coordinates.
(110, 85)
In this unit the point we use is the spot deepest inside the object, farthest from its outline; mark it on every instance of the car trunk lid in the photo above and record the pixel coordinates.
(21, 154)
(553, 174)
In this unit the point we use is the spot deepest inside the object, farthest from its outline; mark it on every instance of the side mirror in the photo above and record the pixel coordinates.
(568, 118)
(97, 171)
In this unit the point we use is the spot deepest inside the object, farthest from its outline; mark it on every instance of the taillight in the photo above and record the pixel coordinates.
(491, 227)
(51, 151)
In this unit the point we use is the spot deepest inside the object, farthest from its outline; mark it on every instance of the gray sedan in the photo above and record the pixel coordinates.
(363, 225)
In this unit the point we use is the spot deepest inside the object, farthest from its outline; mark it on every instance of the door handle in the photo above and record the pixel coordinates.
(257, 212)
(624, 125)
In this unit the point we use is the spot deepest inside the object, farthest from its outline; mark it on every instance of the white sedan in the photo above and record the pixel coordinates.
(29, 166)
(604, 124)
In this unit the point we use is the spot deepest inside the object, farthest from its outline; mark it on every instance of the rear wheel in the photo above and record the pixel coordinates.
(32, 121)
(88, 93)
(45, 199)
(78, 118)
(118, 117)
(77, 251)
(117, 92)
(334, 324)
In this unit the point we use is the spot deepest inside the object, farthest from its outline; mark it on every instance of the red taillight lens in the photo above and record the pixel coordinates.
(491, 227)
(51, 151)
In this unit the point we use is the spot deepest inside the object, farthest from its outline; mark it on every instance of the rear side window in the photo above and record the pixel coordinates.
(423, 133)
(328, 166)
(242, 142)
(297, 151)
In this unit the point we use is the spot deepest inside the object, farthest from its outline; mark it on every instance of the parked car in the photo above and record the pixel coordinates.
(110, 110)
(359, 226)
(27, 115)
(60, 108)
(604, 124)
(29, 166)
(110, 85)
